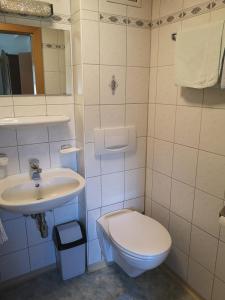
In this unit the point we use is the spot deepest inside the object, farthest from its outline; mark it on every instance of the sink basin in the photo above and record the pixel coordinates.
(20, 194)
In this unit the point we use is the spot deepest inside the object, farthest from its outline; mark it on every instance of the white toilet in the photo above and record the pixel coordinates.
(135, 242)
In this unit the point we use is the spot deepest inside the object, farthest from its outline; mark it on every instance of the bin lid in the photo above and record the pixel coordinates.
(69, 232)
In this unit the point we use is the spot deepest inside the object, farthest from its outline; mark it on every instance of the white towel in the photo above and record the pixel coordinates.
(3, 235)
(222, 80)
(198, 56)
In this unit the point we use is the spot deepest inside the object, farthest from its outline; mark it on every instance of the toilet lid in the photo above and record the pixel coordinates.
(138, 234)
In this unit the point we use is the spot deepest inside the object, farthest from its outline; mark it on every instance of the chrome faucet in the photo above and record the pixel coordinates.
(35, 170)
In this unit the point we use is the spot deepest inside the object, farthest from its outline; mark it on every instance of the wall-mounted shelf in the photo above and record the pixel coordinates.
(39, 120)
(68, 149)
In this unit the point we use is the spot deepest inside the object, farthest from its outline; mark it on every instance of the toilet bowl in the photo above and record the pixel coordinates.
(135, 242)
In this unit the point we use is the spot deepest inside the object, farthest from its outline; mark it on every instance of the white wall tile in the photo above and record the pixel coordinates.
(220, 264)
(8, 137)
(106, 77)
(184, 164)
(138, 47)
(160, 214)
(14, 265)
(94, 252)
(60, 160)
(148, 206)
(13, 164)
(29, 100)
(59, 100)
(154, 47)
(42, 255)
(151, 120)
(152, 85)
(143, 12)
(92, 162)
(112, 115)
(17, 239)
(136, 114)
(135, 204)
(189, 96)
(6, 112)
(39, 151)
(137, 85)
(137, 159)
(166, 44)
(203, 248)
(89, 5)
(111, 208)
(180, 231)
(30, 111)
(168, 7)
(150, 152)
(93, 215)
(92, 121)
(210, 173)
(188, 126)
(134, 183)
(112, 188)
(178, 262)
(200, 279)
(32, 135)
(33, 233)
(163, 155)
(212, 129)
(161, 189)
(91, 84)
(6, 101)
(165, 122)
(61, 131)
(93, 192)
(218, 290)
(65, 213)
(90, 42)
(206, 212)
(148, 182)
(112, 44)
(112, 163)
(182, 199)
(112, 8)
(166, 89)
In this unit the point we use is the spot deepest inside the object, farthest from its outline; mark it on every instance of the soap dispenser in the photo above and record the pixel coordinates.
(3, 165)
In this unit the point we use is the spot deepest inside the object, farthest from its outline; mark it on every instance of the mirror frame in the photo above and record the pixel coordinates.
(36, 42)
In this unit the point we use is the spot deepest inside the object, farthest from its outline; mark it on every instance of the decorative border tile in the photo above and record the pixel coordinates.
(169, 19)
(188, 13)
(53, 46)
(123, 20)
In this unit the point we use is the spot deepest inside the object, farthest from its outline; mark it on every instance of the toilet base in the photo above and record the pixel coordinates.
(128, 269)
(133, 266)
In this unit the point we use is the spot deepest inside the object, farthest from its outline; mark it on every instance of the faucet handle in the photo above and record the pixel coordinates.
(34, 163)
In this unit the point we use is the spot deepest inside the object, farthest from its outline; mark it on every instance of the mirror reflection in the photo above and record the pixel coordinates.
(34, 61)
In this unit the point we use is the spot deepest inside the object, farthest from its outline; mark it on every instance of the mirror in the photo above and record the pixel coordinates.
(34, 61)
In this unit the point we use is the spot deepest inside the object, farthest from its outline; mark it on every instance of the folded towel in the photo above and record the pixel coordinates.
(198, 56)
(222, 76)
(3, 235)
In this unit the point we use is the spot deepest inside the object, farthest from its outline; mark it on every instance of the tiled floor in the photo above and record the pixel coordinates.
(106, 284)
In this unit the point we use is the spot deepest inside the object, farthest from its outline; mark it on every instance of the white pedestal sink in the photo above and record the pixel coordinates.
(18, 193)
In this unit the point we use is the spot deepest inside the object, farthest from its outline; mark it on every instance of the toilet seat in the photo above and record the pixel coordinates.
(138, 235)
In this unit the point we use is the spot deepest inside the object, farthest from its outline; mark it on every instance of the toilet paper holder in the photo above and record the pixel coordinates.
(222, 212)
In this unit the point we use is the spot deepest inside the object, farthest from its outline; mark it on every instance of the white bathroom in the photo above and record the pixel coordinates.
(112, 149)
